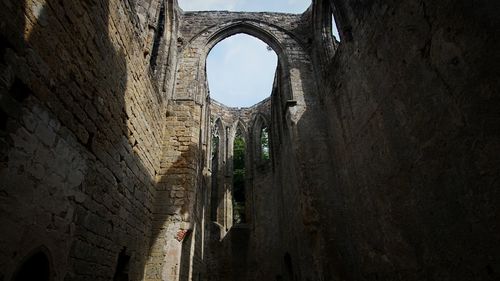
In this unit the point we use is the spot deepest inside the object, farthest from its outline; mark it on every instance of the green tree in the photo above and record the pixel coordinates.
(239, 178)
(264, 143)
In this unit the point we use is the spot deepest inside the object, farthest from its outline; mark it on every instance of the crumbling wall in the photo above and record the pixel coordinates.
(81, 138)
(199, 32)
(412, 103)
(249, 250)
(383, 146)
(180, 185)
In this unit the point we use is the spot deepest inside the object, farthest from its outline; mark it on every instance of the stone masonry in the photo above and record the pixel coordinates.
(115, 163)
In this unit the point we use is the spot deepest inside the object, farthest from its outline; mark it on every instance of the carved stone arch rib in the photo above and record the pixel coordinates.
(249, 28)
(240, 124)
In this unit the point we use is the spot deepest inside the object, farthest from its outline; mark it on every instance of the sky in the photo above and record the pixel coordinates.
(285, 6)
(240, 69)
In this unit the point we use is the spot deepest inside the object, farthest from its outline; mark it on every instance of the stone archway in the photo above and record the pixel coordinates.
(259, 123)
(184, 168)
(205, 29)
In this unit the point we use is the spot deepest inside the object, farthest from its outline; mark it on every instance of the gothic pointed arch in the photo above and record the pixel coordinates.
(249, 27)
(35, 266)
(288, 45)
(239, 173)
(260, 139)
(240, 127)
(258, 30)
(217, 138)
(218, 142)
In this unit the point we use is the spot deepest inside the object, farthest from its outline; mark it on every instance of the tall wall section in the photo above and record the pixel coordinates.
(412, 102)
(248, 249)
(184, 175)
(81, 134)
(300, 140)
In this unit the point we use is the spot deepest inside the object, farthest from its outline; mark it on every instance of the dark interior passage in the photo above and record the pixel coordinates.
(36, 267)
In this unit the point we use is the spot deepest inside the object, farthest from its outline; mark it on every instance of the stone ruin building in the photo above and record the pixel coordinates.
(382, 161)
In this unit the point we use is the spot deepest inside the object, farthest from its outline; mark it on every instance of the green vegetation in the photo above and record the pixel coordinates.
(239, 179)
(264, 143)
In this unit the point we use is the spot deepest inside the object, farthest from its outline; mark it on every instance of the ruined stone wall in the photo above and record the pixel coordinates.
(250, 250)
(264, 243)
(81, 133)
(298, 162)
(179, 184)
(199, 32)
(230, 120)
(412, 103)
(304, 166)
(384, 147)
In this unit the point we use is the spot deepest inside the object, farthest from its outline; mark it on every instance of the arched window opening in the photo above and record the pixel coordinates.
(330, 27)
(241, 70)
(215, 151)
(334, 28)
(215, 144)
(239, 173)
(36, 267)
(215, 170)
(160, 29)
(261, 142)
(264, 144)
(340, 27)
